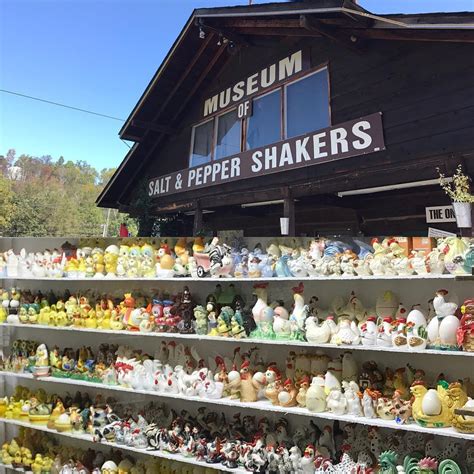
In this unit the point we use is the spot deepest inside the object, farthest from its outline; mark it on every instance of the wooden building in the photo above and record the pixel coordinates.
(318, 110)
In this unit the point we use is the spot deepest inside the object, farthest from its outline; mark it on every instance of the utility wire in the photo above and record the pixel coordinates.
(62, 105)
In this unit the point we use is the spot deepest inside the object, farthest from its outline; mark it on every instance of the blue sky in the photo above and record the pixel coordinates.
(98, 55)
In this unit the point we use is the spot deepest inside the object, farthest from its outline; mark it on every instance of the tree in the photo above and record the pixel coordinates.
(54, 198)
(6, 204)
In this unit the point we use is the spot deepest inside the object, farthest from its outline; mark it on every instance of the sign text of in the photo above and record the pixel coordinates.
(440, 214)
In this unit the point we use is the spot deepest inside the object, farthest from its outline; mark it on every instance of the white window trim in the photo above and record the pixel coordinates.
(247, 120)
(216, 128)
(285, 105)
(191, 149)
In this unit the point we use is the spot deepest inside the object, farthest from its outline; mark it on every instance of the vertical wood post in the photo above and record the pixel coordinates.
(197, 225)
(289, 211)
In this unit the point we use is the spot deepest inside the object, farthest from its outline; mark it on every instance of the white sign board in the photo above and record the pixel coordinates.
(432, 232)
(440, 214)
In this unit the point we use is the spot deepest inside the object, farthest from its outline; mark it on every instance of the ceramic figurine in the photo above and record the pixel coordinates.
(224, 321)
(237, 323)
(400, 409)
(416, 329)
(200, 316)
(443, 326)
(303, 385)
(41, 368)
(288, 394)
(299, 314)
(211, 308)
(369, 403)
(262, 313)
(336, 402)
(384, 332)
(185, 309)
(465, 332)
(320, 333)
(272, 385)
(351, 394)
(246, 384)
(455, 250)
(347, 333)
(368, 332)
(435, 408)
(281, 323)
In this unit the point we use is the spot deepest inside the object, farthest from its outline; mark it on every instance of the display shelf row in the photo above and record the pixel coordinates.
(89, 438)
(427, 276)
(275, 342)
(9, 467)
(261, 405)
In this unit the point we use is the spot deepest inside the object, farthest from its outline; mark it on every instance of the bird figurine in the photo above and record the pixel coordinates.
(443, 326)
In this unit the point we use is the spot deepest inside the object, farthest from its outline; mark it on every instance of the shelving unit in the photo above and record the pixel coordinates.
(261, 405)
(342, 285)
(230, 340)
(89, 438)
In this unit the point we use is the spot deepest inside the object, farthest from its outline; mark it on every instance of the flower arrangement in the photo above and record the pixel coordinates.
(458, 188)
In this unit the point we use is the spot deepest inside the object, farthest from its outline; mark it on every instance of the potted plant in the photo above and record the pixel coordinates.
(458, 190)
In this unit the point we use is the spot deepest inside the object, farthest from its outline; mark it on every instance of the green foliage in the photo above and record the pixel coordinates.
(54, 198)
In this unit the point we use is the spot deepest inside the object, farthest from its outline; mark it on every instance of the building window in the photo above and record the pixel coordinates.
(202, 143)
(305, 109)
(229, 131)
(264, 125)
(307, 104)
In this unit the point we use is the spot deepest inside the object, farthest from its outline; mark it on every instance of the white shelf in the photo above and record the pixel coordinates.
(272, 342)
(428, 276)
(261, 405)
(11, 468)
(89, 438)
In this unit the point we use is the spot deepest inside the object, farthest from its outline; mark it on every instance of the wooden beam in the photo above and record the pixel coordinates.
(224, 32)
(289, 211)
(185, 74)
(279, 32)
(412, 34)
(252, 23)
(312, 24)
(156, 127)
(197, 223)
(198, 82)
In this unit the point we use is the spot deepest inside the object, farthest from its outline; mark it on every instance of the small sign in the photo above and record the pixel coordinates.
(436, 233)
(440, 214)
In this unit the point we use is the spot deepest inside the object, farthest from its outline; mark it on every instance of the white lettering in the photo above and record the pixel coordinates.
(235, 167)
(191, 177)
(268, 76)
(207, 173)
(270, 157)
(199, 175)
(290, 65)
(224, 98)
(157, 187)
(216, 168)
(318, 144)
(301, 151)
(238, 91)
(252, 85)
(151, 185)
(286, 157)
(338, 137)
(167, 181)
(357, 131)
(257, 164)
(210, 105)
(225, 169)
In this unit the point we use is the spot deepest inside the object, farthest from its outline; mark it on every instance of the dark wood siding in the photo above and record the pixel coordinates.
(424, 89)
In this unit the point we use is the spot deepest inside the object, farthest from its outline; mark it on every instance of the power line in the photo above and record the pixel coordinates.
(62, 105)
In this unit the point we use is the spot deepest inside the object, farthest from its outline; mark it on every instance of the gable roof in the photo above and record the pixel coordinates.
(193, 57)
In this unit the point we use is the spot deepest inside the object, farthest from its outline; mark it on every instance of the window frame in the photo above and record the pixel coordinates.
(283, 108)
(299, 79)
(216, 126)
(245, 120)
(193, 133)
